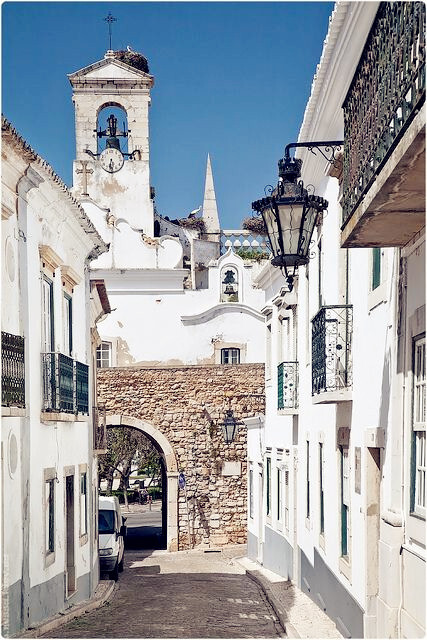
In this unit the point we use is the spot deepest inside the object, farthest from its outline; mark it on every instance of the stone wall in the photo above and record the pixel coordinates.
(187, 404)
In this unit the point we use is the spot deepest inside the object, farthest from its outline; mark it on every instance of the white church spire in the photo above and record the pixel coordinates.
(210, 211)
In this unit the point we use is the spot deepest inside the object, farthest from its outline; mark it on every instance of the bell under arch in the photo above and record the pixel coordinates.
(171, 468)
(112, 128)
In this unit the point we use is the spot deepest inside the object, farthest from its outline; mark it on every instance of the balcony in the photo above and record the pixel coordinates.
(287, 387)
(384, 132)
(331, 362)
(12, 370)
(99, 430)
(65, 385)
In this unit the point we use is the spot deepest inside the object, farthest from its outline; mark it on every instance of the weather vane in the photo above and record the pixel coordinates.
(110, 19)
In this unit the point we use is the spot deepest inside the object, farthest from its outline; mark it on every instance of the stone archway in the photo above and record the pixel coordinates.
(171, 470)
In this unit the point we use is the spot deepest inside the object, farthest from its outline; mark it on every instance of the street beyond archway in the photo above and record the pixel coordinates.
(180, 595)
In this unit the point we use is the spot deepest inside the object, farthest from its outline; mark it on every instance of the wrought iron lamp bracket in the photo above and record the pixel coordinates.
(331, 148)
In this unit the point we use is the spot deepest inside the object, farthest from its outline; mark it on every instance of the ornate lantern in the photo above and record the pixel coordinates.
(229, 426)
(290, 213)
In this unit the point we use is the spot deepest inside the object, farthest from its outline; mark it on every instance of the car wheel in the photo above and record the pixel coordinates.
(122, 563)
(114, 574)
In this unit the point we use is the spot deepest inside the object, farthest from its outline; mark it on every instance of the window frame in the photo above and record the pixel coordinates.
(100, 351)
(67, 305)
(83, 497)
(48, 315)
(376, 268)
(418, 430)
(233, 351)
(50, 479)
(251, 493)
(321, 489)
(286, 501)
(268, 487)
(345, 501)
(279, 481)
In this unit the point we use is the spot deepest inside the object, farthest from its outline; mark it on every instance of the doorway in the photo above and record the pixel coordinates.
(69, 535)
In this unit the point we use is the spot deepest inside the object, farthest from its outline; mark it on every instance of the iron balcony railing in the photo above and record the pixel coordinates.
(65, 384)
(99, 429)
(287, 385)
(12, 370)
(386, 92)
(332, 329)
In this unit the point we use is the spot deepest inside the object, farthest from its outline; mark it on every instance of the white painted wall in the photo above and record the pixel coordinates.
(155, 323)
(44, 214)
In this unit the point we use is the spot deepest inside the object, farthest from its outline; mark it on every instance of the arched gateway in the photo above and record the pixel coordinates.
(171, 468)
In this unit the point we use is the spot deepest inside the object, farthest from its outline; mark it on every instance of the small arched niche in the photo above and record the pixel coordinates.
(229, 284)
(112, 128)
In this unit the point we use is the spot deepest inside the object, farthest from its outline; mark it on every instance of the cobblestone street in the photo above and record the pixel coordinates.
(179, 595)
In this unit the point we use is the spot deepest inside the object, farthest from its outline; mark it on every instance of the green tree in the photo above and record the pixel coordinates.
(126, 447)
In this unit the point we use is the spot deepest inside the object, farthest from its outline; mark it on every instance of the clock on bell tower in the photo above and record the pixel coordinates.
(112, 165)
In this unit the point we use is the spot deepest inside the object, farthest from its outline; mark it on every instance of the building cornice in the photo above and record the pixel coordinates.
(220, 309)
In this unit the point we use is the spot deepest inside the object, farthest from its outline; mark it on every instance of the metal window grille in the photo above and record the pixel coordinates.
(332, 329)
(65, 384)
(287, 385)
(12, 370)
(82, 387)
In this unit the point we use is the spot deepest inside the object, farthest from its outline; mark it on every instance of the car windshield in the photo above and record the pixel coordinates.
(106, 521)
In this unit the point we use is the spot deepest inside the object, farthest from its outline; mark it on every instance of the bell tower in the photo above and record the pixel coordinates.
(112, 165)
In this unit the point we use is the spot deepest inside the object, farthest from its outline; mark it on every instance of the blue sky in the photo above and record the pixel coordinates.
(231, 79)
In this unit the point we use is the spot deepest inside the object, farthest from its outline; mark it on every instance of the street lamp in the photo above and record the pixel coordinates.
(229, 426)
(290, 211)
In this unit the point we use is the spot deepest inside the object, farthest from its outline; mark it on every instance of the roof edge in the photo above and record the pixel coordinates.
(79, 213)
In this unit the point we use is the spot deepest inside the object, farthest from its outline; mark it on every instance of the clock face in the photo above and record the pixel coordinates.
(111, 160)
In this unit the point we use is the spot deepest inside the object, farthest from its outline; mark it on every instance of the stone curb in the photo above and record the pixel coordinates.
(101, 595)
(263, 582)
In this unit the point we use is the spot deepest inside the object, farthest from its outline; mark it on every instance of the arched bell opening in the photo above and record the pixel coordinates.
(112, 128)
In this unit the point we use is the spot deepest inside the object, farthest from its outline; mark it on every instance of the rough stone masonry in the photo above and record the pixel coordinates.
(187, 404)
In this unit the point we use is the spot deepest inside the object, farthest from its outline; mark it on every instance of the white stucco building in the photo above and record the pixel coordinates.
(337, 468)
(178, 291)
(49, 311)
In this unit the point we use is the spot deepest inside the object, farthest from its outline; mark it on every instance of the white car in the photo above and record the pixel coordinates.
(112, 530)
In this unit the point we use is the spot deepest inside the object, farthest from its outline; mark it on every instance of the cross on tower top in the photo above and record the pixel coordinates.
(110, 19)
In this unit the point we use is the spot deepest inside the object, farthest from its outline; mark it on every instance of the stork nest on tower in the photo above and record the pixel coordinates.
(255, 224)
(133, 59)
(193, 223)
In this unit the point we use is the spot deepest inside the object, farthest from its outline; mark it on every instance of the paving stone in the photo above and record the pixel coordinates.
(180, 595)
